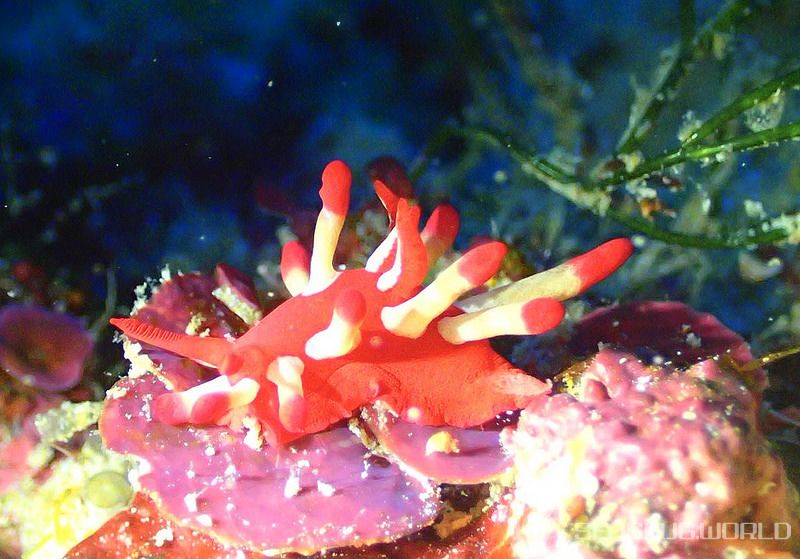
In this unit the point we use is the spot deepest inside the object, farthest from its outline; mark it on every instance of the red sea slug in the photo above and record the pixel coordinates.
(351, 337)
(345, 339)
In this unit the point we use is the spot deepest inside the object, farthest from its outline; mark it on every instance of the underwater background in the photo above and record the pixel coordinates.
(136, 135)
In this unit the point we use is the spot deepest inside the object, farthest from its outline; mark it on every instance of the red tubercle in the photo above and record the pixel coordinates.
(335, 190)
(242, 361)
(388, 198)
(170, 409)
(294, 256)
(481, 262)
(231, 364)
(351, 306)
(292, 413)
(541, 315)
(209, 408)
(600, 262)
(411, 251)
(443, 224)
(388, 259)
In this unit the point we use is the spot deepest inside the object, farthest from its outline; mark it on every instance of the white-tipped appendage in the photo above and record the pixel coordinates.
(411, 318)
(343, 333)
(294, 267)
(243, 392)
(390, 277)
(239, 394)
(440, 232)
(326, 236)
(286, 373)
(559, 283)
(296, 281)
(381, 252)
(528, 318)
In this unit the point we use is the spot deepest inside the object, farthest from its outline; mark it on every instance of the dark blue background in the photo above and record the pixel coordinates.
(181, 110)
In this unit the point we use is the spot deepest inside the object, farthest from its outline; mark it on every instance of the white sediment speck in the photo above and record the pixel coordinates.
(162, 536)
(190, 500)
(292, 486)
(326, 489)
(116, 391)
(693, 340)
(253, 437)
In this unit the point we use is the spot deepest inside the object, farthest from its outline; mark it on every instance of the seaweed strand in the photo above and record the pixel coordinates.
(597, 194)
(598, 201)
(687, 21)
(686, 52)
(684, 153)
(557, 91)
(742, 103)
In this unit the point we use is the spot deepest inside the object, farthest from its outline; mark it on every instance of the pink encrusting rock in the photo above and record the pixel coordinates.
(321, 492)
(42, 348)
(666, 330)
(186, 302)
(19, 438)
(444, 454)
(395, 503)
(639, 461)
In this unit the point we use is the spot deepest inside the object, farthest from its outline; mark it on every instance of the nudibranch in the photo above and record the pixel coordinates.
(350, 337)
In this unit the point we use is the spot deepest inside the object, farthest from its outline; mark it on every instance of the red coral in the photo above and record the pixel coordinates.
(142, 530)
(348, 338)
(42, 348)
(15, 450)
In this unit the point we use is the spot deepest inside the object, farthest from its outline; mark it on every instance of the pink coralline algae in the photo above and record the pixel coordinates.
(46, 352)
(665, 330)
(43, 357)
(42, 348)
(16, 449)
(643, 461)
(446, 454)
(415, 359)
(323, 492)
